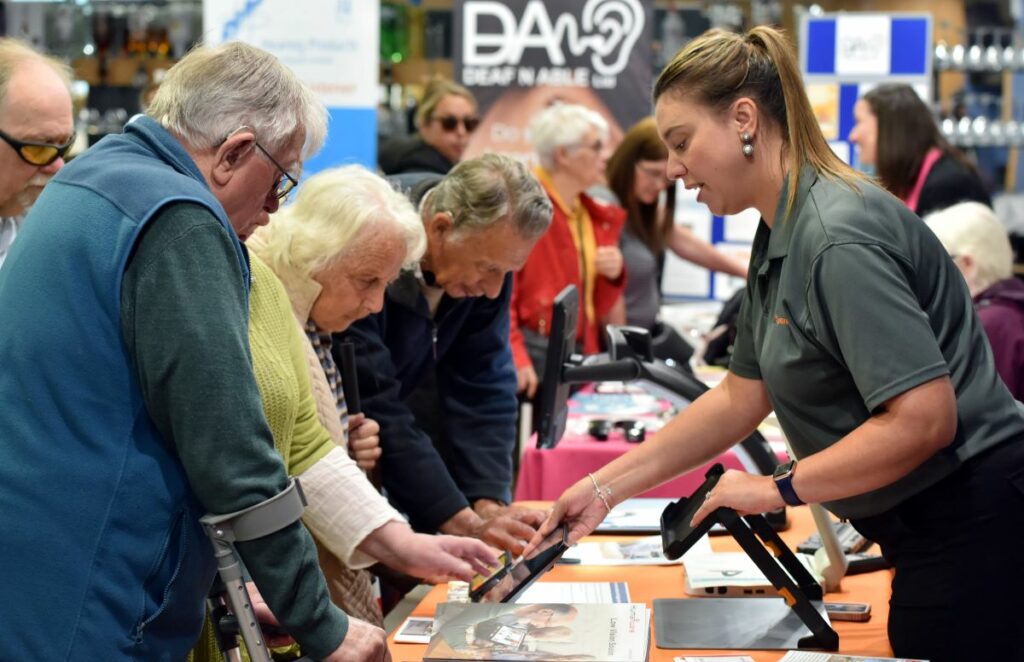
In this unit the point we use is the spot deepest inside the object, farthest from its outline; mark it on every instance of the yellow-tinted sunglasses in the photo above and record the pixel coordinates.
(37, 153)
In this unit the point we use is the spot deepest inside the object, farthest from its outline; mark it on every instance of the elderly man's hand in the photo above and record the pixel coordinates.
(364, 441)
(608, 262)
(510, 528)
(526, 380)
(364, 642)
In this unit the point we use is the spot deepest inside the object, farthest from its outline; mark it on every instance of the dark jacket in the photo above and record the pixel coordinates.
(410, 154)
(948, 183)
(468, 343)
(1001, 309)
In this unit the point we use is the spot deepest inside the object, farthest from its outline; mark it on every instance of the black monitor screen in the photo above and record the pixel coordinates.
(553, 396)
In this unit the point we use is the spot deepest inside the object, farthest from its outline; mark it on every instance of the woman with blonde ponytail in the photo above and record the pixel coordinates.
(858, 331)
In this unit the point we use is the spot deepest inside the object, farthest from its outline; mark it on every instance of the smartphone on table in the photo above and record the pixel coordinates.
(848, 611)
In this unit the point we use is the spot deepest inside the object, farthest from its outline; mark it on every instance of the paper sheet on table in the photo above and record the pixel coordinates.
(575, 593)
(642, 551)
(731, 569)
(801, 656)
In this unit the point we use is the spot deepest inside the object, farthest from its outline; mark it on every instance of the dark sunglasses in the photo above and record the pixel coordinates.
(37, 153)
(285, 182)
(450, 123)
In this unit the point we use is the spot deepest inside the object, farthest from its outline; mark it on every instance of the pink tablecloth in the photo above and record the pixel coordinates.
(545, 473)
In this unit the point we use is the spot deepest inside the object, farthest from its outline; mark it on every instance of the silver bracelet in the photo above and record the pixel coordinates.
(601, 494)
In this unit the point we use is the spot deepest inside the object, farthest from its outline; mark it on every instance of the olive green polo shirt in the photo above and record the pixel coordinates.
(851, 301)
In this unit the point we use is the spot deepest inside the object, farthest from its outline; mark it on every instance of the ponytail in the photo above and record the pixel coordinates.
(719, 67)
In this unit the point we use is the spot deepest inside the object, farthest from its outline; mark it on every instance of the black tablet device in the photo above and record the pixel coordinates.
(677, 535)
(553, 396)
(481, 584)
(515, 577)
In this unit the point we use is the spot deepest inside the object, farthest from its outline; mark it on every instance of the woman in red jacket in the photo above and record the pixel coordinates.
(582, 246)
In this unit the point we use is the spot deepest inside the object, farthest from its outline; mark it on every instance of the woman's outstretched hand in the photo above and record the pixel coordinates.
(579, 507)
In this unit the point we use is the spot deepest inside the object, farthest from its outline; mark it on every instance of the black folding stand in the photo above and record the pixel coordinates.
(792, 580)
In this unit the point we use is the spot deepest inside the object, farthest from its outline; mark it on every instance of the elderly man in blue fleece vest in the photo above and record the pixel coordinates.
(128, 405)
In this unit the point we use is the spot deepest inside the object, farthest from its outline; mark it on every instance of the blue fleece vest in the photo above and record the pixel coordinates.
(101, 553)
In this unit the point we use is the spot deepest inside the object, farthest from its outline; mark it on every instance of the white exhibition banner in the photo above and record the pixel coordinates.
(332, 45)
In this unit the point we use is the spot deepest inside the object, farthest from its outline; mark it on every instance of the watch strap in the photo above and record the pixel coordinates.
(784, 483)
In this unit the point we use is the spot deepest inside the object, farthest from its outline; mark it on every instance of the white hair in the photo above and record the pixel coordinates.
(971, 228)
(563, 125)
(332, 208)
(14, 52)
(484, 191)
(213, 91)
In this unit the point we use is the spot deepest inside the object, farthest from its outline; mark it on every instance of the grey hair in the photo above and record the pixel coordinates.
(330, 219)
(971, 228)
(563, 125)
(213, 91)
(14, 52)
(481, 192)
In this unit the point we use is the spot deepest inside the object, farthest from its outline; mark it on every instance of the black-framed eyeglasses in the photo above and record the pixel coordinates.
(38, 153)
(450, 122)
(285, 182)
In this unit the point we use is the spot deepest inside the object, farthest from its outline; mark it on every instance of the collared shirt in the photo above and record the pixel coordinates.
(852, 301)
(322, 343)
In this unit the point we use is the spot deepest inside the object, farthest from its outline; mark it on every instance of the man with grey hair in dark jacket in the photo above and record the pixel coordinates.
(450, 319)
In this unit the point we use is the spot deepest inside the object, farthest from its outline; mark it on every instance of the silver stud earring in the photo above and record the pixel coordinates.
(748, 144)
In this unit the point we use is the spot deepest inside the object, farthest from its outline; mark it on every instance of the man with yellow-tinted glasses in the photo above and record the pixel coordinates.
(36, 130)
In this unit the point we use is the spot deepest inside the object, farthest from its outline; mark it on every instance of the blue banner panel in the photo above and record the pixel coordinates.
(351, 138)
(848, 95)
(909, 46)
(821, 46)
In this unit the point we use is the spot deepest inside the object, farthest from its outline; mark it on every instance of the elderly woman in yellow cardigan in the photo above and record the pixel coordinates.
(333, 252)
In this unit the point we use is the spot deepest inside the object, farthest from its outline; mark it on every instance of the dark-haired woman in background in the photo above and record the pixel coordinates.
(858, 331)
(636, 175)
(898, 135)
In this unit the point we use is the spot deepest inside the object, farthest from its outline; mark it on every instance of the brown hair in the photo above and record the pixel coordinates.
(438, 88)
(641, 143)
(906, 131)
(719, 67)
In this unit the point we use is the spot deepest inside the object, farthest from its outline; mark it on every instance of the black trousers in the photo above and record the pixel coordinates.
(958, 551)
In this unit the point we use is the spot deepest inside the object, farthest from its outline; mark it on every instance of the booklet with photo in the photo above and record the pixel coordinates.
(502, 631)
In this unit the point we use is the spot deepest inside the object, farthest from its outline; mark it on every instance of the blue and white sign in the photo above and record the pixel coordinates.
(842, 56)
(332, 45)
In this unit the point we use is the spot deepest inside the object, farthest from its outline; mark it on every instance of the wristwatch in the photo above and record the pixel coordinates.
(783, 476)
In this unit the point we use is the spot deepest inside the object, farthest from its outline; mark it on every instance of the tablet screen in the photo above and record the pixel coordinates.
(517, 577)
(480, 584)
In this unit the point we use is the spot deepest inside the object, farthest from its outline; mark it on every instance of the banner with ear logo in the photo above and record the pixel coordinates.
(519, 56)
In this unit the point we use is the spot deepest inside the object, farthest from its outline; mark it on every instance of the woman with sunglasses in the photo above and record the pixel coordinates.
(446, 117)
(636, 175)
